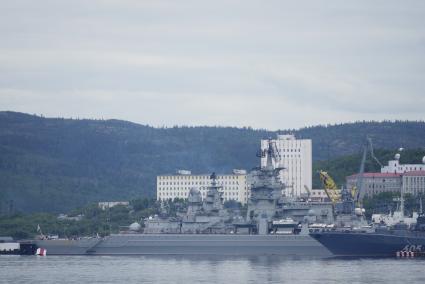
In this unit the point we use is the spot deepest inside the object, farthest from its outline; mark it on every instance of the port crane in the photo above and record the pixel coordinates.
(358, 189)
(345, 197)
(331, 189)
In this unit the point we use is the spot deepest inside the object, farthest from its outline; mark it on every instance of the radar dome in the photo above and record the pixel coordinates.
(358, 211)
(311, 212)
(135, 227)
(423, 160)
(194, 195)
(397, 156)
(194, 191)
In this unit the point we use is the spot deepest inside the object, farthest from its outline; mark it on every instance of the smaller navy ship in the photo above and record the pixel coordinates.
(401, 236)
(9, 246)
(376, 241)
(382, 241)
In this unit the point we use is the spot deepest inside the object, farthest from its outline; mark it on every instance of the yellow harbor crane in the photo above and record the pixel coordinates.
(356, 191)
(331, 189)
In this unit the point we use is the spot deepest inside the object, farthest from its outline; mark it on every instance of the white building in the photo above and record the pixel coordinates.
(319, 195)
(394, 166)
(296, 158)
(110, 204)
(234, 186)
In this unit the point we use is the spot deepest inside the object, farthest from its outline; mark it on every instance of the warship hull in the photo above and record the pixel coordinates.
(67, 247)
(369, 244)
(186, 244)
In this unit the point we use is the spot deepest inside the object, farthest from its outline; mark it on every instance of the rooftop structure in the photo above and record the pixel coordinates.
(318, 195)
(394, 166)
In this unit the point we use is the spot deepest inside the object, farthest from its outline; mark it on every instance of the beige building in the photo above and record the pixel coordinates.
(414, 182)
(234, 185)
(393, 178)
(374, 183)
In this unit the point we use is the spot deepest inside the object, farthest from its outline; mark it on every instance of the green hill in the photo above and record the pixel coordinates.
(54, 164)
(344, 166)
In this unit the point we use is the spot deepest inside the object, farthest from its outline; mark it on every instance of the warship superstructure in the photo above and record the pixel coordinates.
(274, 224)
(202, 216)
(270, 203)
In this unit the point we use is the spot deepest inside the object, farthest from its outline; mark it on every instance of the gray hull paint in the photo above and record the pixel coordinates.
(67, 247)
(164, 244)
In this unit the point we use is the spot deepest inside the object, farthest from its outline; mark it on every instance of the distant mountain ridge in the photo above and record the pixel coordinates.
(55, 164)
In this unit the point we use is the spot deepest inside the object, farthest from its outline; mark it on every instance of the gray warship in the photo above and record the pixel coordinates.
(275, 224)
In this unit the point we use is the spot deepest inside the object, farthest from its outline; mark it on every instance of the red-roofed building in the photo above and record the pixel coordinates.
(415, 173)
(412, 182)
(394, 177)
(376, 175)
(374, 183)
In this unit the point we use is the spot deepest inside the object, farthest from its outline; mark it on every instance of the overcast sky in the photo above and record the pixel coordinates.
(266, 64)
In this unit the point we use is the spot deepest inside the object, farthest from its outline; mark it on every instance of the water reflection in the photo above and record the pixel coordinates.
(207, 269)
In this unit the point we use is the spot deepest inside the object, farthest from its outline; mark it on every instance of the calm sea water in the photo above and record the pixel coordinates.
(205, 269)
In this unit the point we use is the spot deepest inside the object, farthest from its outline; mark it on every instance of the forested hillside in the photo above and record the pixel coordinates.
(54, 164)
(343, 166)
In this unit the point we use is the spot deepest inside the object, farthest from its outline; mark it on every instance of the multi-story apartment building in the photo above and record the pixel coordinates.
(234, 186)
(296, 159)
